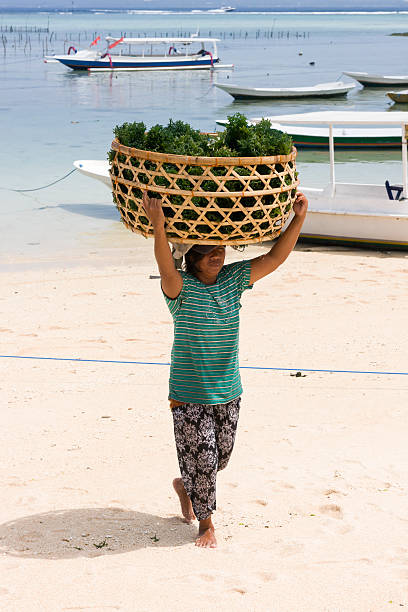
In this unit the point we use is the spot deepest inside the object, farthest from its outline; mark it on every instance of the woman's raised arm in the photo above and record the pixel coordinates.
(265, 264)
(171, 279)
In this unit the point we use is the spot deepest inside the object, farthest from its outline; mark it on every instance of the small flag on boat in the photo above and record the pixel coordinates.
(94, 42)
(116, 43)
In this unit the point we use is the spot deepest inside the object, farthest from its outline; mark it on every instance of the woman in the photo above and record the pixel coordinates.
(205, 384)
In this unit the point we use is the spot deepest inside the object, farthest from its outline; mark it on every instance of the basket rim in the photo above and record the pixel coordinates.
(202, 161)
(206, 194)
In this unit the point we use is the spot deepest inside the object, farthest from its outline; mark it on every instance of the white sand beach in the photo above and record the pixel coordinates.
(312, 509)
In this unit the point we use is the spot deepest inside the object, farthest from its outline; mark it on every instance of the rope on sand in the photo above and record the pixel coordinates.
(39, 188)
(158, 363)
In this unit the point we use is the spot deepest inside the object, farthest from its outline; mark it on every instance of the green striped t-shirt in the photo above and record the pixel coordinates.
(204, 359)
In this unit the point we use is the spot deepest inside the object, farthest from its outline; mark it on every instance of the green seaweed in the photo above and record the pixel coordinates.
(237, 140)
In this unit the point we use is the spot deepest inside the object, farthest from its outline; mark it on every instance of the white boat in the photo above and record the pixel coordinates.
(340, 213)
(320, 90)
(347, 138)
(222, 9)
(145, 54)
(350, 213)
(399, 96)
(377, 80)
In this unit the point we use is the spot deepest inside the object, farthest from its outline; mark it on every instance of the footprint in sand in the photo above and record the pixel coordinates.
(332, 510)
(287, 485)
(207, 577)
(261, 502)
(332, 492)
(267, 576)
(31, 536)
(239, 590)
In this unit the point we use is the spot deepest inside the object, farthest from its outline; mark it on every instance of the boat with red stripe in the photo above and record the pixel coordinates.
(193, 53)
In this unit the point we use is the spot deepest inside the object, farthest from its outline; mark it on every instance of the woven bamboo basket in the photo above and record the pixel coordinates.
(224, 200)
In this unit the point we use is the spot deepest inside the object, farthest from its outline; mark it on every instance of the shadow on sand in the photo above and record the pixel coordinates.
(90, 532)
(96, 211)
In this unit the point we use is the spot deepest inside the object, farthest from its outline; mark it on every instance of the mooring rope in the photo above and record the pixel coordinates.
(39, 188)
(165, 363)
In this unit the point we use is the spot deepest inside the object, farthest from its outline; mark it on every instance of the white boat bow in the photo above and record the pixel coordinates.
(94, 168)
(366, 78)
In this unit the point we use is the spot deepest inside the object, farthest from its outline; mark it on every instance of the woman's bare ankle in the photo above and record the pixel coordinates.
(206, 524)
(185, 502)
(206, 534)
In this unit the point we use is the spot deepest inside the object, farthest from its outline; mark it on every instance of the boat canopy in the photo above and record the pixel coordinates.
(142, 41)
(331, 118)
(344, 118)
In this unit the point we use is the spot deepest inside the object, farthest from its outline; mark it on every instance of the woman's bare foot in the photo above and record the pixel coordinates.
(185, 502)
(206, 534)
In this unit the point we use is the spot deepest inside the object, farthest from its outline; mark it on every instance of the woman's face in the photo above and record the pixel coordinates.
(211, 263)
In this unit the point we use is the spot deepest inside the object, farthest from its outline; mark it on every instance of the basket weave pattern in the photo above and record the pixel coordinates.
(225, 200)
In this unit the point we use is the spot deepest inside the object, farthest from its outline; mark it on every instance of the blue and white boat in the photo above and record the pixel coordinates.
(192, 53)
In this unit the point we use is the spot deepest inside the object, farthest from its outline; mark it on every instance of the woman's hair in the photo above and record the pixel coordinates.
(191, 258)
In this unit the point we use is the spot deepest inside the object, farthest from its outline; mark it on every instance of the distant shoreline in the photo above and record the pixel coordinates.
(311, 11)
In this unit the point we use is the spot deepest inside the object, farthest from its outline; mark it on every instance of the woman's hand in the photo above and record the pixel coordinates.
(300, 205)
(154, 211)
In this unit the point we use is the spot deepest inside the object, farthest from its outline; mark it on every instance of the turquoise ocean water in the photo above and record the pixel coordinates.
(51, 116)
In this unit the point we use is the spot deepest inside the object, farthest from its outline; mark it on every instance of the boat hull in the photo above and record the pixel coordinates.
(283, 96)
(363, 231)
(360, 243)
(372, 221)
(71, 62)
(327, 90)
(387, 84)
(346, 143)
(401, 97)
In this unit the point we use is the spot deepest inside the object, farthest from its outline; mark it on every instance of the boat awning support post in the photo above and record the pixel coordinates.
(331, 151)
(404, 161)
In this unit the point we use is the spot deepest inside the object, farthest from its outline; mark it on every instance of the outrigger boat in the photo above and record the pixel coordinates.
(347, 138)
(374, 215)
(377, 80)
(321, 90)
(153, 54)
(366, 215)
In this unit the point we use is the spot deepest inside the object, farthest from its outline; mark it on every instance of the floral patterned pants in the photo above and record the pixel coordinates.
(205, 436)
